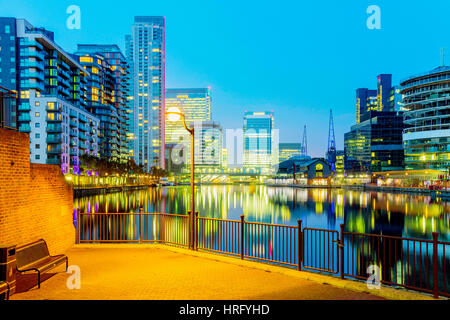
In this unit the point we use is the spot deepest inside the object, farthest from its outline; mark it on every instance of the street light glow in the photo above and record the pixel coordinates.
(173, 114)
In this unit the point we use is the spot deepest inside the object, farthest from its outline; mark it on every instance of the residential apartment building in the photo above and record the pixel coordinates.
(107, 92)
(51, 105)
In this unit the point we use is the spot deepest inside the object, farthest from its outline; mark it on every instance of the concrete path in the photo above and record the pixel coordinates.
(157, 273)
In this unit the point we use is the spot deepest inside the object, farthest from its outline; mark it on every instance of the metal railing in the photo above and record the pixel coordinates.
(405, 262)
(417, 264)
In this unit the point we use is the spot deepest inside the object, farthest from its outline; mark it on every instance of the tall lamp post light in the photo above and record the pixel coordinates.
(174, 114)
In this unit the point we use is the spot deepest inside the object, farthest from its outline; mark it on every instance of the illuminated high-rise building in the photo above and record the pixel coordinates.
(107, 90)
(145, 48)
(426, 103)
(195, 105)
(260, 141)
(208, 144)
(381, 99)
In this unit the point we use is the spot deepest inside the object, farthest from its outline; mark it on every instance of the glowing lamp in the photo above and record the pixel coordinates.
(173, 114)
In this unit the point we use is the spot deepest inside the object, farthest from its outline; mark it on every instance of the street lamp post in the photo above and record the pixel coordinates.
(174, 114)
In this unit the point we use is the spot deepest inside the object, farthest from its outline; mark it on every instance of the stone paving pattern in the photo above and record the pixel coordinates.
(157, 273)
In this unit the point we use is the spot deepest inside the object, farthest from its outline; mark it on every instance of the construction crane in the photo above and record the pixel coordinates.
(331, 152)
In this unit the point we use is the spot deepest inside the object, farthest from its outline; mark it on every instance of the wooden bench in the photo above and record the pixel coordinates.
(4, 289)
(35, 257)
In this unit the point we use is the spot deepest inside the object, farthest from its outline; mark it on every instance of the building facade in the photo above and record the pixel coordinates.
(426, 103)
(51, 105)
(260, 141)
(208, 144)
(289, 150)
(145, 48)
(196, 106)
(118, 70)
(107, 91)
(380, 99)
(375, 144)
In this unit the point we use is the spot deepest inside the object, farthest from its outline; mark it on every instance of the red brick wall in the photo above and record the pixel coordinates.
(35, 200)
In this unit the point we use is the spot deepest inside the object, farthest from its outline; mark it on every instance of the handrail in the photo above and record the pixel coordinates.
(313, 249)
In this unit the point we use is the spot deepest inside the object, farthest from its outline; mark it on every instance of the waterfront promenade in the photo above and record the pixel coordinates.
(159, 272)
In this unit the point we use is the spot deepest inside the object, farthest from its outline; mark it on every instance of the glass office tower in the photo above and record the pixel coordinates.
(288, 150)
(208, 145)
(196, 106)
(145, 49)
(51, 87)
(375, 144)
(426, 137)
(381, 99)
(260, 141)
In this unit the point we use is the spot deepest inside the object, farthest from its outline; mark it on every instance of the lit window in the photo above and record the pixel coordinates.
(86, 59)
(37, 114)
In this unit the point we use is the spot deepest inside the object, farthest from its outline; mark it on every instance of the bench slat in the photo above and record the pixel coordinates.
(31, 253)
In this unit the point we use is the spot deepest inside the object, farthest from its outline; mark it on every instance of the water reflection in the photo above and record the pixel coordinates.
(366, 212)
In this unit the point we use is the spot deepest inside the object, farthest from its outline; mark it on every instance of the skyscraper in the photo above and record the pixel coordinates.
(380, 99)
(208, 144)
(196, 106)
(146, 50)
(260, 141)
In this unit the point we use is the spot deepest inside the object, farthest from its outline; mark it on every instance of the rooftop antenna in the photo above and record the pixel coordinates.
(304, 143)
(442, 57)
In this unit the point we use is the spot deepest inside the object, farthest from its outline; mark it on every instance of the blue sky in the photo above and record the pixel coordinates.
(297, 58)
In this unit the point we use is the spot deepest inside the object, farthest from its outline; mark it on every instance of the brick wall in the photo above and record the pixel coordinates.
(35, 200)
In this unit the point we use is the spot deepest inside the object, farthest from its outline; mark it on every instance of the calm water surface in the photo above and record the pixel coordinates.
(367, 212)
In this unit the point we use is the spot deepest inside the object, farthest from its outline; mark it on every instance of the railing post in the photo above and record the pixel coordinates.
(300, 245)
(435, 266)
(341, 250)
(141, 210)
(189, 230)
(196, 231)
(242, 236)
(78, 226)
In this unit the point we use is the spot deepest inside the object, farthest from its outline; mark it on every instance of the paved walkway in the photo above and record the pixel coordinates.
(157, 273)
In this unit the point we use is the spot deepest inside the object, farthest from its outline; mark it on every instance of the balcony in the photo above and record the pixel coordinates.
(82, 136)
(24, 106)
(54, 150)
(53, 161)
(82, 127)
(24, 117)
(54, 139)
(54, 128)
